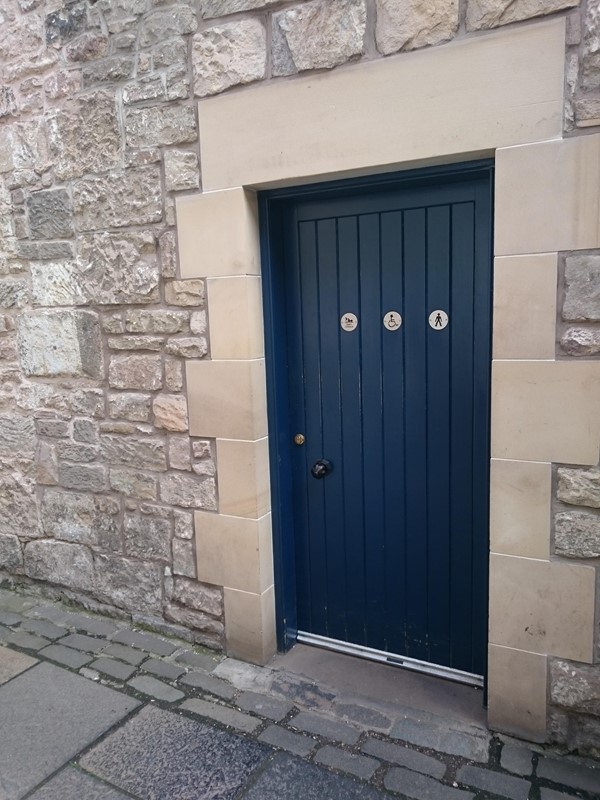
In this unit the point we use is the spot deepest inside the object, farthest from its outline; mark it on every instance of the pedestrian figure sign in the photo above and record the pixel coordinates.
(438, 320)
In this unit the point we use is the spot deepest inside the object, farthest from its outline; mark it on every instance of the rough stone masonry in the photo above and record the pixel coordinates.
(98, 134)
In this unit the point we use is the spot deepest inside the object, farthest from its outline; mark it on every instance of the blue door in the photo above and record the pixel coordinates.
(388, 311)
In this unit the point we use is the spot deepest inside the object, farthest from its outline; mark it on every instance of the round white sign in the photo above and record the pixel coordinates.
(392, 320)
(349, 322)
(438, 320)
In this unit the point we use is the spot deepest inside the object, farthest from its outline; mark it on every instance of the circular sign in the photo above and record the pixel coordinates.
(349, 322)
(392, 320)
(438, 320)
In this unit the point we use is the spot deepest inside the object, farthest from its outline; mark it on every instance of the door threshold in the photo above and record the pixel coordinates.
(391, 659)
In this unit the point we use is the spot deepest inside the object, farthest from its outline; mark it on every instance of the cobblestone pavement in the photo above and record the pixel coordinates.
(92, 709)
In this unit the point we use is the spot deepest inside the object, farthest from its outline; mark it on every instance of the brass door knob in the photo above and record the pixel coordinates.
(299, 439)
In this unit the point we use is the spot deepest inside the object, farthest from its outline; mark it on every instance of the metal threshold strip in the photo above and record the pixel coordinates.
(437, 670)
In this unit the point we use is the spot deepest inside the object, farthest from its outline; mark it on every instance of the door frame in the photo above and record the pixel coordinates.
(271, 205)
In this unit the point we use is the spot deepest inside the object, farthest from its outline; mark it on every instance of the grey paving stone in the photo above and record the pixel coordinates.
(98, 627)
(422, 787)
(264, 705)
(28, 641)
(159, 754)
(145, 641)
(115, 669)
(516, 759)
(72, 784)
(222, 714)
(364, 716)
(302, 692)
(361, 766)
(423, 733)
(198, 660)
(325, 726)
(55, 614)
(10, 618)
(52, 715)
(66, 656)
(12, 663)
(44, 628)
(124, 653)
(495, 782)
(289, 778)
(4, 632)
(155, 688)
(552, 794)
(296, 743)
(163, 669)
(208, 683)
(79, 641)
(569, 774)
(405, 757)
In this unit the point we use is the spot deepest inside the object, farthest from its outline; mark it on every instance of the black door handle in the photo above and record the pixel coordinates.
(321, 468)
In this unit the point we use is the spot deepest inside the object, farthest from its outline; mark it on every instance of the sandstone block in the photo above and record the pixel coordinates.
(65, 23)
(579, 487)
(220, 8)
(24, 146)
(147, 537)
(84, 136)
(178, 82)
(127, 583)
(11, 556)
(172, 51)
(18, 503)
(50, 214)
(80, 518)
(493, 13)
(581, 341)
(179, 453)
(575, 687)
(199, 596)
(188, 491)
(318, 35)
(160, 125)
(129, 405)
(63, 83)
(181, 171)
(143, 321)
(154, 343)
(134, 451)
(57, 428)
(132, 197)
(84, 430)
(164, 24)
(135, 372)
(56, 284)
(45, 251)
(117, 68)
(133, 483)
(170, 412)
(228, 55)
(60, 343)
(60, 562)
(118, 268)
(75, 451)
(196, 347)
(210, 629)
(185, 293)
(13, 293)
(151, 87)
(47, 465)
(412, 24)
(577, 534)
(87, 47)
(87, 477)
(168, 254)
(590, 58)
(184, 560)
(582, 288)
(202, 448)
(17, 436)
(183, 524)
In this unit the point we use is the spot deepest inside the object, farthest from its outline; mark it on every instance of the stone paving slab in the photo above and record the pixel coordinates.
(223, 714)
(495, 782)
(13, 663)
(420, 787)
(159, 754)
(404, 757)
(353, 763)
(52, 715)
(72, 784)
(296, 743)
(66, 656)
(570, 774)
(439, 737)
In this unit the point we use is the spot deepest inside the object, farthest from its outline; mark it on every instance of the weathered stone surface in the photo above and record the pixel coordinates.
(80, 518)
(63, 83)
(117, 68)
(577, 534)
(24, 146)
(132, 451)
(575, 686)
(60, 562)
(128, 405)
(160, 125)
(185, 293)
(64, 24)
(153, 343)
(17, 436)
(135, 372)
(411, 24)
(18, 503)
(87, 477)
(198, 596)
(84, 136)
(87, 47)
(170, 412)
(56, 284)
(60, 343)
(172, 51)
(84, 430)
(184, 560)
(579, 487)
(156, 321)
(133, 483)
(168, 254)
(590, 58)
(581, 341)
(318, 35)
(74, 451)
(181, 171)
(211, 628)
(582, 288)
(179, 453)
(492, 13)
(227, 55)
(132, 197)
(147, 537)
(183, 523)
(45, 251)
(128, 583)
(11, 556)
(151, 87)
(220, 8)
(162, 25)
(46, 465)
(13, 293)
(196, 347)
(188, 491)
(50, 214)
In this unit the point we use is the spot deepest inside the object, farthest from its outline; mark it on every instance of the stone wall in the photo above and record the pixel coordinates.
(98, 475)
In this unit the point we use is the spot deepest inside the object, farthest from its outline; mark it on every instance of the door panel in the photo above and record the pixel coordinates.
(391, 546)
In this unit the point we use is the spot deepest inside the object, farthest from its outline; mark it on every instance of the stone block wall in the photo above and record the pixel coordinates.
(99, 477)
